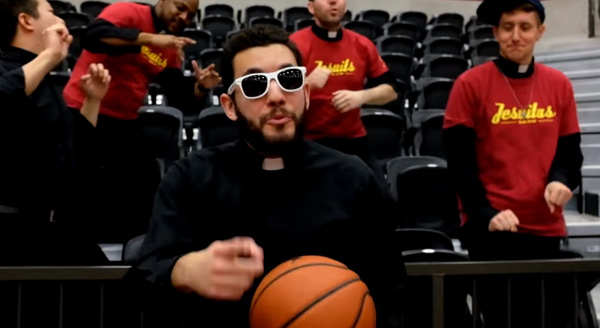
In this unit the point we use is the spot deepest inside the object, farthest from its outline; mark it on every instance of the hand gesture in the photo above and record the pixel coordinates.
(345, 100)
(557, 194)
(504, 221)
(225, 270)
(171, 41)
(56, 40)
(95, 83)
(318, 77)
(208, 78)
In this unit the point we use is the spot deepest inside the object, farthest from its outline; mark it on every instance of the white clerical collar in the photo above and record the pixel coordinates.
(523, 68)
(273, 164)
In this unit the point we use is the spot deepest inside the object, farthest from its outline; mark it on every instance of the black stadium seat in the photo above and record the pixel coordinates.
(219, 9)
(215, 128)
(93, 7)
(362, 27)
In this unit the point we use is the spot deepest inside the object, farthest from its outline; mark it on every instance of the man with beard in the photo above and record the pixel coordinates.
(224, 216)
(139, 45)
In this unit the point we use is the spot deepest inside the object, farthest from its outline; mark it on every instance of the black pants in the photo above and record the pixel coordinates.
(127, 181)
(525, 292)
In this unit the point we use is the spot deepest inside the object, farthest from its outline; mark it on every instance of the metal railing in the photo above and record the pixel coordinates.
(95, 296)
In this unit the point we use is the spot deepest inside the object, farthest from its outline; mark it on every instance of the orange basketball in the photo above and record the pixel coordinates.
(312, 292)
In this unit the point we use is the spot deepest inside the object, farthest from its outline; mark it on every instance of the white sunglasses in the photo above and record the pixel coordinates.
(256, 85)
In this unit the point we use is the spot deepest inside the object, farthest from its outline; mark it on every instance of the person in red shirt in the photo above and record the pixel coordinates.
(513, 146)
(338, 61)
(139, 44)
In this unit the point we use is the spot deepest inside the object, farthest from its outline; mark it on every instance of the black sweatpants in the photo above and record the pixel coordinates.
(525, 292)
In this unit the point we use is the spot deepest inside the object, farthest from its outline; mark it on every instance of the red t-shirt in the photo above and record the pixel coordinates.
(351, 60)
(515, 147)
(131, 73)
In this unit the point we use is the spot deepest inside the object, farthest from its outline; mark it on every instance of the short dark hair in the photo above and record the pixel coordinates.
(9, 17)
(257, 36)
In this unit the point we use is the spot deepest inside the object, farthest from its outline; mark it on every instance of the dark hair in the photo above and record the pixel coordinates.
(257, 36)
(9, 17)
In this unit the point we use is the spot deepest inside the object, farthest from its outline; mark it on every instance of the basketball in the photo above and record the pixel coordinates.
(312, 291)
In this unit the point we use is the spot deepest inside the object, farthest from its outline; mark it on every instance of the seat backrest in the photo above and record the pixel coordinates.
(212, 56)
(162, 127)
(218, 26)
(486, 47)
(451, 18)
(257, 11)
(377, 17)
(384, 133)
(292, 14)
(415, 17)
(61, 6)
(435, 93)
(403, 28)
(432, 143)
(347, 16)
(73, 19)
(398, 165)
(447, 66)
(426, 199)
(302, 23)
(396, 44)
(444, 46)
(482, 32)
(478, 60)
(75, 48)
(420, 239)
(203, 40)
(219, 9)
(400, 65)
(445, 30)
(271, 21)
(215, 128)
(362, 27)
(92, 7)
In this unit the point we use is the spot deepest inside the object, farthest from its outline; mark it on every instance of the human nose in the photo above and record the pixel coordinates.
(275, 96)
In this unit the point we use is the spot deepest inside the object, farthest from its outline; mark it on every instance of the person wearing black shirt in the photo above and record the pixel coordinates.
(39, 136)
(224, 216)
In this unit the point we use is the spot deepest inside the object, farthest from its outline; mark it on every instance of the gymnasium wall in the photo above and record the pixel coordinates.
(566, 18)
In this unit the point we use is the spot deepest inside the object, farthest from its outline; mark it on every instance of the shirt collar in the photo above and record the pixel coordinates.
(159, 25)
(511, 69)
(17, 54)
(327, 35)
(253, 160)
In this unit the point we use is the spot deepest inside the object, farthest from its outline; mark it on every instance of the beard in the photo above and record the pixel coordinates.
(272, 146)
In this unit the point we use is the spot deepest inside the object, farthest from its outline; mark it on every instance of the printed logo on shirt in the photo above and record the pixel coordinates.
(532, 115)
(153, 57)
(346, 67)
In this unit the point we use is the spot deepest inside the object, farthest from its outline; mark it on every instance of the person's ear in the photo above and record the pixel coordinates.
(541, 30)
(25, 21)
(311, 7)
(229, 106)
(307, 95)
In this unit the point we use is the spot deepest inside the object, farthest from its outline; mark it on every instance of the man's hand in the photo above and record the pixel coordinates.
(504, 221)
(557, 194)
(318, 77)
(345, 100)
(170, 41)
(225, 270)
(96, 82)
(56, 40)
(207, 78)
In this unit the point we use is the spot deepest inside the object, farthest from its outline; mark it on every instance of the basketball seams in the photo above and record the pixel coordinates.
(322, 297)
(289, 271)
(360, 310)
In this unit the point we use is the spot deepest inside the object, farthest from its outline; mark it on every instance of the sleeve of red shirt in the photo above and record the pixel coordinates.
(569, 123)
(121, 14)
(377, 66)
(460, 106)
